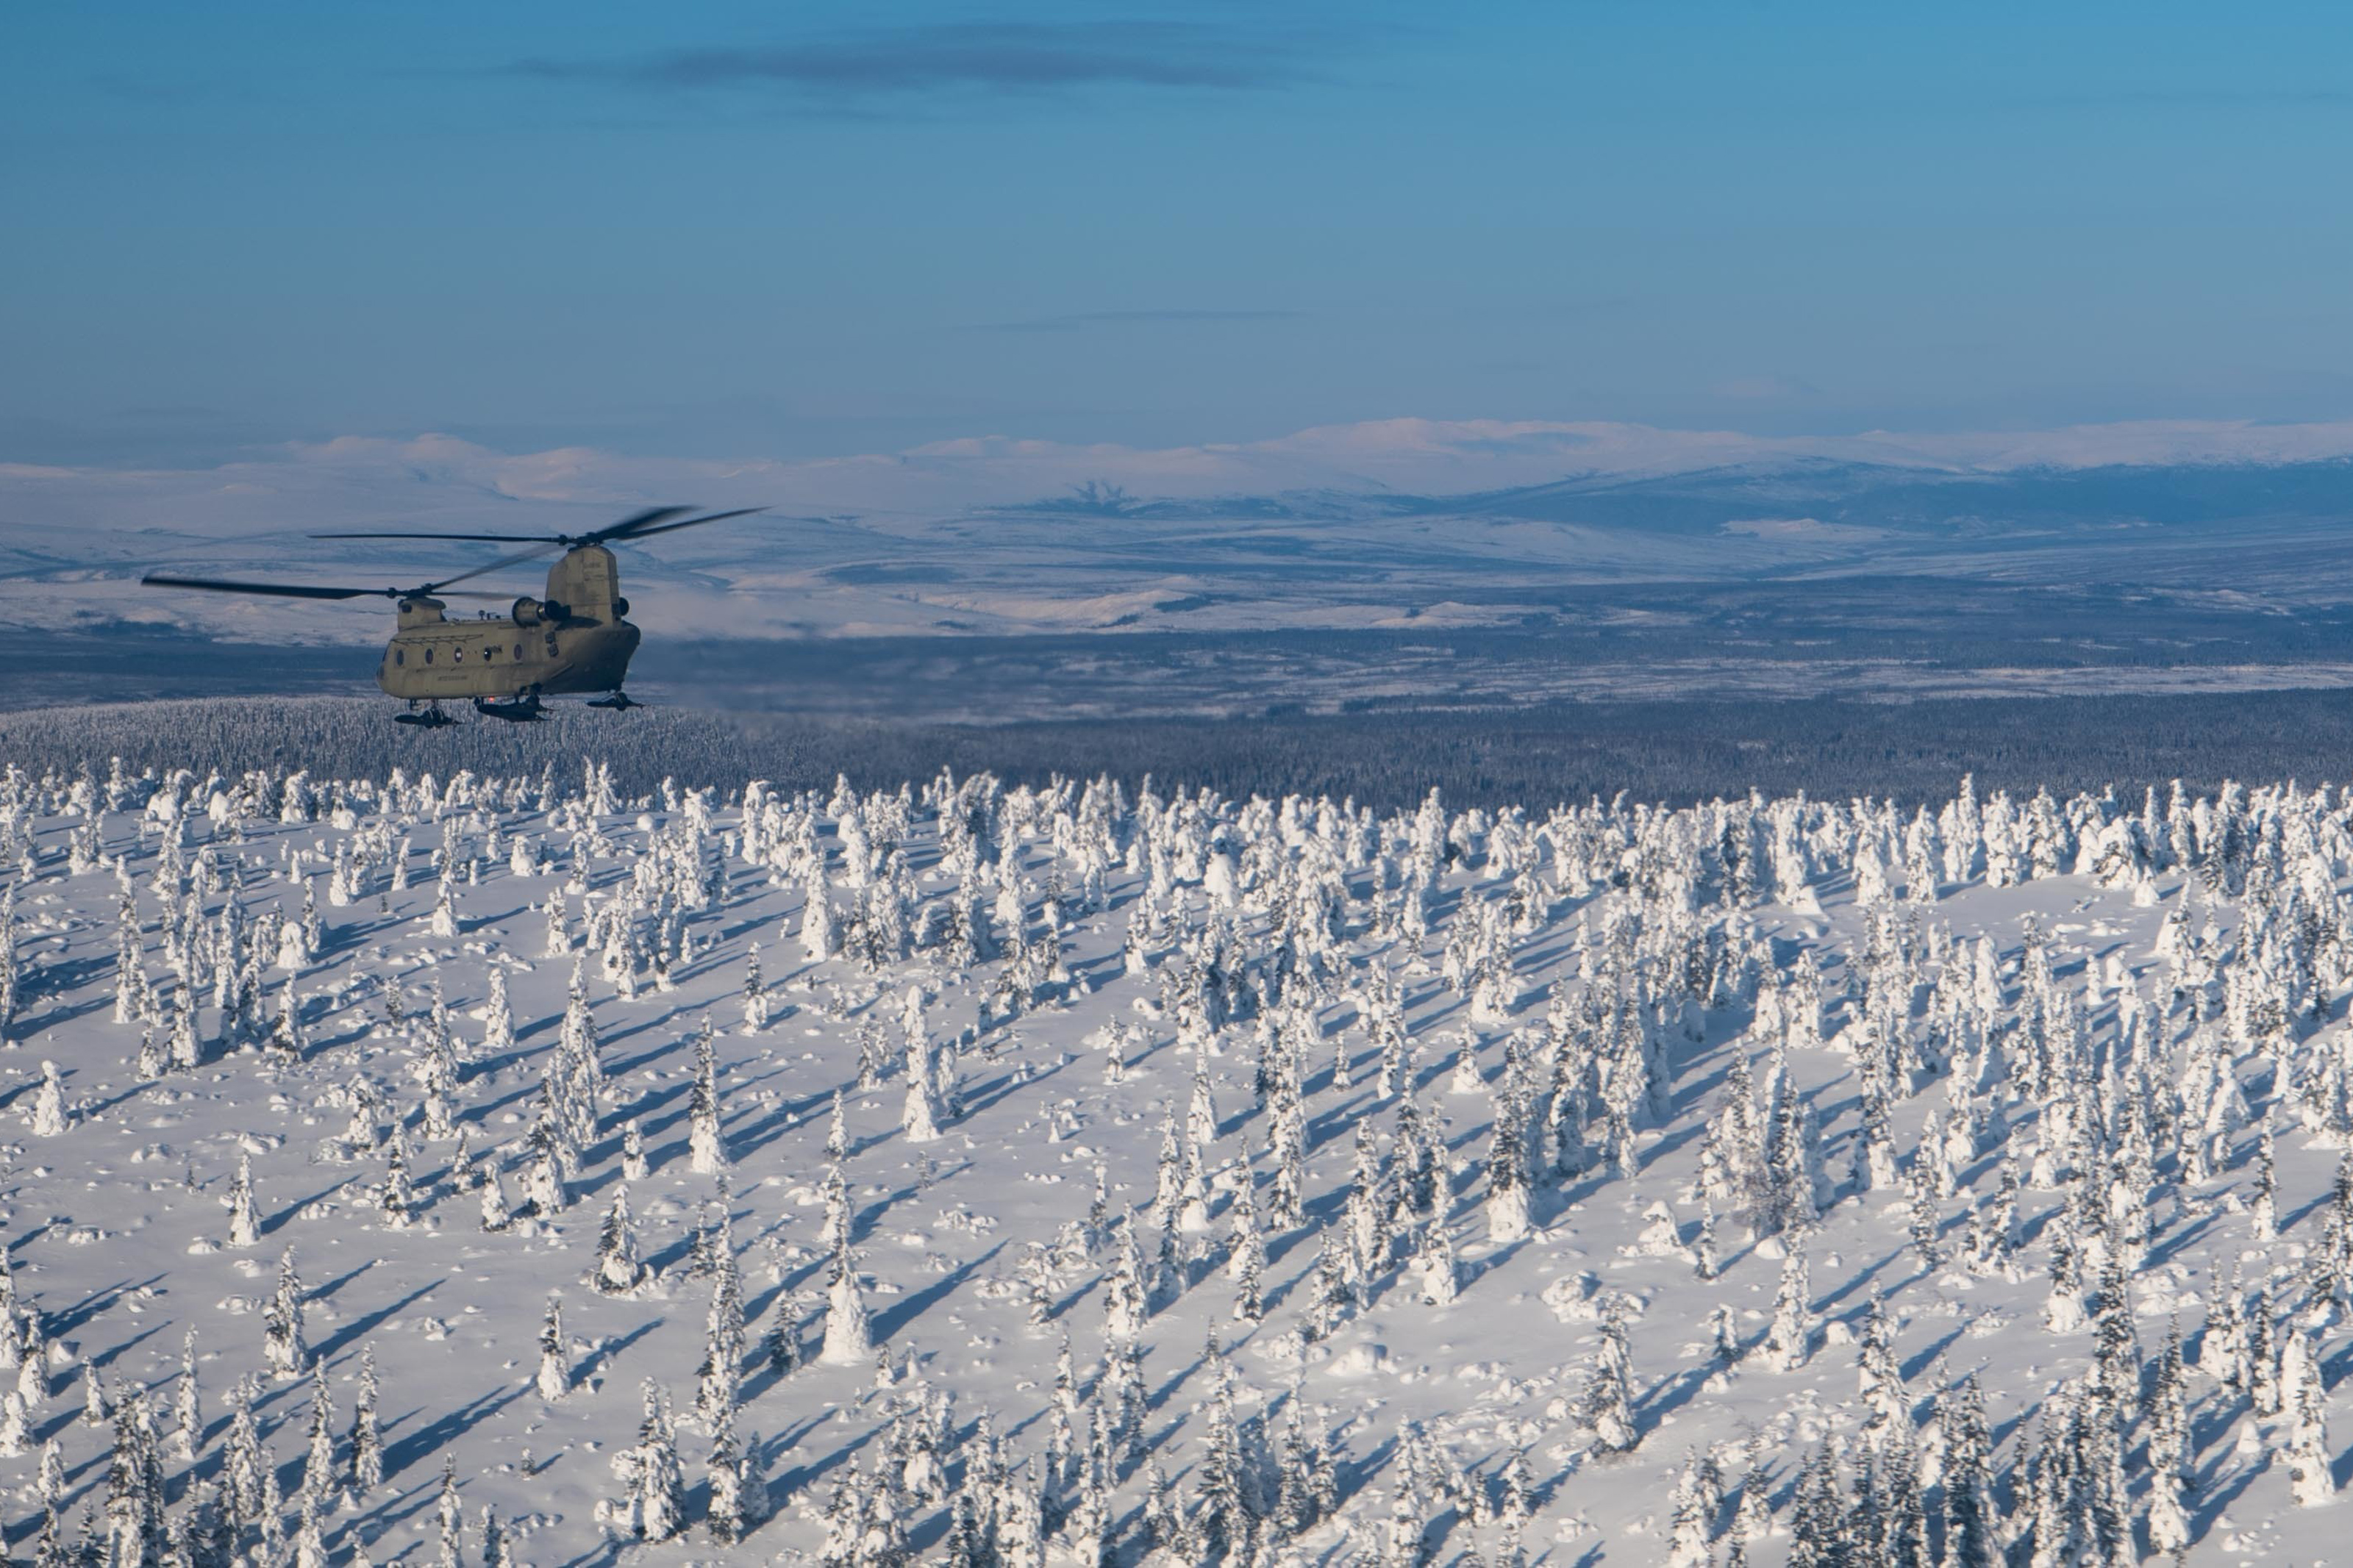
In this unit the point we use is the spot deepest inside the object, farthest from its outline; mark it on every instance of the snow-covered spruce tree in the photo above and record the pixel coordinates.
(396, 1197)
(496, 1216)
(1789, 1341)
(719, 1374)
(1435, 1262)
(920, 1120)
(243, 1464)
(1507, 1174)
(494, 1534)
(553, 1379)
(723, 1511)
(498, 1017)
(365, 1449)
(706, 1148)
(2063, 1311)
(1691, 1519)
(849, 1336)
(49, 1116)
(1608, 1403)
(618, 1272)
(2312, 1481)
(288, 1042)
(655, 1506)
(187, 1405)
(283, 1351)
(134, 1503)
(1246, 1252)
(2330, 1267)
(243, 1224)
(758, 1004)
(2168, 1414)
(1881, 1377)
(449, 1516)
(322, 1484)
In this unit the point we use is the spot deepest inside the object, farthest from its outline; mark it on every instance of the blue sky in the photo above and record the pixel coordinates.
(795, 231)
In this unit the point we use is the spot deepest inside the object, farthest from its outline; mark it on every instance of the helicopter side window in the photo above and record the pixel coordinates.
(428, 656)
(458, 654)
(400, 655)
(518, 652)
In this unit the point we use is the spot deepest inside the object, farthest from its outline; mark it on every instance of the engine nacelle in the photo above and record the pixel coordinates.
(530, 612)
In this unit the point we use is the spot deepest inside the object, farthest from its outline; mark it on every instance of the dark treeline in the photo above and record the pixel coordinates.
(1671, 751)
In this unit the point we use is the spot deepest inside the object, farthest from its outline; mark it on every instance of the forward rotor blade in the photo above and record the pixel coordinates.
(491, 538)
(305, 590)
(267, 590)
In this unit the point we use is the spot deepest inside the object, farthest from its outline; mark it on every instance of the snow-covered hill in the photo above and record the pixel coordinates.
(492, 1169)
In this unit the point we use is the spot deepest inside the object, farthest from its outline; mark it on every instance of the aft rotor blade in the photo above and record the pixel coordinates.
(500, 564)
(269, 590)
(696, 521)
(630, 527)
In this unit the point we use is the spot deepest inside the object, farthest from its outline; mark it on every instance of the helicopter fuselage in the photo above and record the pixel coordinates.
(574, 640)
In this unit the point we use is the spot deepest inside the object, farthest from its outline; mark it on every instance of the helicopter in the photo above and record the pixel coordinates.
(572, 641)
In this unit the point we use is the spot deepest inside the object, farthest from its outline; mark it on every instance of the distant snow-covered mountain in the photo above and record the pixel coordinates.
(1337, 526)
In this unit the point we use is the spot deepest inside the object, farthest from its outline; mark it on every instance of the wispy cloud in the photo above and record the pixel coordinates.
(1073, 322)
(2218, 99)
(1763, 388)
(869, 69)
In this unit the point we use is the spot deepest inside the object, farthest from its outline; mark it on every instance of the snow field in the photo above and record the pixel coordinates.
(1631, 1185)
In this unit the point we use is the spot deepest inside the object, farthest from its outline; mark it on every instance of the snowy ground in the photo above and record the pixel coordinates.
(970, 1270)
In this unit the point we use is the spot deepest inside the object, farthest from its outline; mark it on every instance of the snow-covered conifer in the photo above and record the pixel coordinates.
(1245, 1253)
(187, 1405)
(849, 1336)
(756, 1002)
(49, 1114)
(1609, 1403)
(706, 1149)
(321, 1480)
(2312, 1480)
(397, 1197)
(656, 1507)
(243, 1224)
(283, 1351)
(1789, 1341)
(555, 1376)
(365, 1449)
(618, 1272)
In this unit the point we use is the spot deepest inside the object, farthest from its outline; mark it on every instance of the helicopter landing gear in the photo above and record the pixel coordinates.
(524, 710)
(619, 702)
(432, 718)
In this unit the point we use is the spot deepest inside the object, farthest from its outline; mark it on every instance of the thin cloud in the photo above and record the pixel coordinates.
(863, 69)
(2255, 98)
(1083, 319)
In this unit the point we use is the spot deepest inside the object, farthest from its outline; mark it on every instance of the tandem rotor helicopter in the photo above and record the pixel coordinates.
(572, 641)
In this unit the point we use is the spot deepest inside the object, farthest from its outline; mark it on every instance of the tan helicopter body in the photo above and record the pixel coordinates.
(574, 640)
